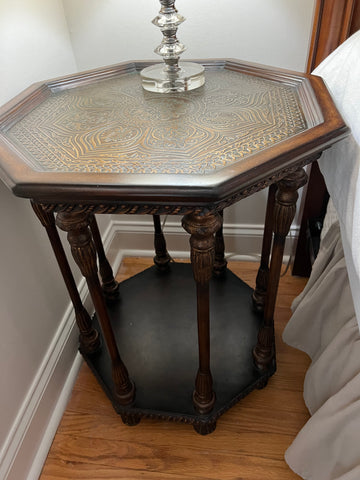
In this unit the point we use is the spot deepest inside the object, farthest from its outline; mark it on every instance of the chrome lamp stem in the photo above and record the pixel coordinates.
(171, 76)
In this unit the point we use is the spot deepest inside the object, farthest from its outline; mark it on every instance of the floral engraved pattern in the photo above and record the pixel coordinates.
(114, 126)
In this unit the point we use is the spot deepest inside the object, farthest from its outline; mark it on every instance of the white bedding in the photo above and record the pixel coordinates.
(325, 321)
(340, 164)
(324, 325)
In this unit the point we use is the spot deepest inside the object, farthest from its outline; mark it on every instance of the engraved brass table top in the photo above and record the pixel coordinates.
(117, 127)
(99, 134)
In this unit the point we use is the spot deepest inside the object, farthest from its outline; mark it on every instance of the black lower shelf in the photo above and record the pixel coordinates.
(155, 326)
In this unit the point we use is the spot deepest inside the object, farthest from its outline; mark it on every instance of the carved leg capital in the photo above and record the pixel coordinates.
(285, 204)
(202, 242)
(76, 224)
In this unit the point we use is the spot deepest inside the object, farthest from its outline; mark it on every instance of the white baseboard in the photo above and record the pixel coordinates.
(27, 444)
(31, 435)
(242, 241)
(55, 419)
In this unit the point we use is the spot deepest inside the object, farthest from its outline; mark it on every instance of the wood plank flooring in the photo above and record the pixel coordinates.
(248, 444)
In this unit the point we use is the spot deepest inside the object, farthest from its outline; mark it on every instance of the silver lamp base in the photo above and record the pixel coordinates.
(158, 78)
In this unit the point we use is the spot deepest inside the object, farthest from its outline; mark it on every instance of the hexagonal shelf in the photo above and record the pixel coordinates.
(156, 331)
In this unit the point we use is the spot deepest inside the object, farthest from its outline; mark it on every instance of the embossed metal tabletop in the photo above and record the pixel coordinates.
(117, 127)
(101, 130)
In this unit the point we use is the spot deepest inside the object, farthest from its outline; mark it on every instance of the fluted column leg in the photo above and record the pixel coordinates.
(89, 337)
(259, 294)
(109, 285)
(220, 262)
(202, 229)
(162, 258)
(84, 253)
(284, 212)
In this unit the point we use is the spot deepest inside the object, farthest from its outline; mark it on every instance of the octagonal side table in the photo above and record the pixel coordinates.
(182, 342)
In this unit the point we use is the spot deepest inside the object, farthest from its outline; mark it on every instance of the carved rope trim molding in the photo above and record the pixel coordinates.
(143, 209)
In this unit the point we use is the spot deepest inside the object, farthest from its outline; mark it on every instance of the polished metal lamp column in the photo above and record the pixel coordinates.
(172, 75)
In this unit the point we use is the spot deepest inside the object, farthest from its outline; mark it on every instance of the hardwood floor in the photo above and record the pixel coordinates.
(248, 444)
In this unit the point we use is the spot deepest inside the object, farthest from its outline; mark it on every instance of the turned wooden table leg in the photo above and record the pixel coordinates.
(162, 258)
(89, 337)
(259, 294)
(220, 262)
(202, 229)
(284, 212)
(84, 253)
(109, 285)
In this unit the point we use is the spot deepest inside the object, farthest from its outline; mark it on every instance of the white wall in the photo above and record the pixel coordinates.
(274, 32)
(34, 45)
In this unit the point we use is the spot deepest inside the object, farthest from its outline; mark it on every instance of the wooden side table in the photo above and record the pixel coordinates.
(97, 143)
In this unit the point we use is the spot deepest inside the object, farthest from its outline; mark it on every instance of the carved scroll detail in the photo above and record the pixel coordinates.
(202, 229)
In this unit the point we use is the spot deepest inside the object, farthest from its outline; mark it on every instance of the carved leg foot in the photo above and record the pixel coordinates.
(204, 428)
(262, 384)
(130, 419)
(284, 212)
(202, 229)
(264, 351)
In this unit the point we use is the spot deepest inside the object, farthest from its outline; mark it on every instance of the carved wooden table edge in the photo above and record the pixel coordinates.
(134, 208)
